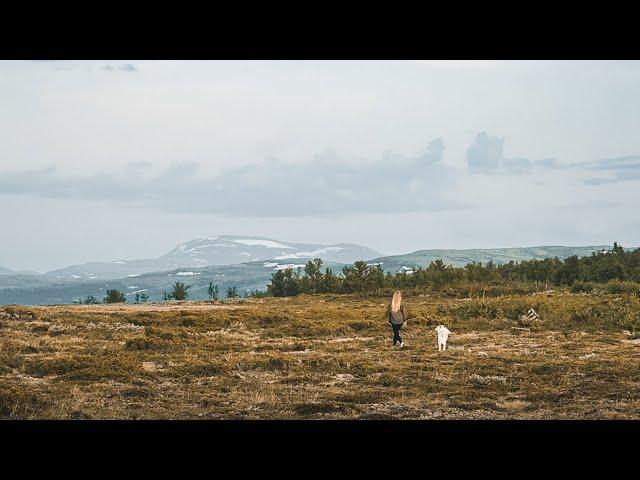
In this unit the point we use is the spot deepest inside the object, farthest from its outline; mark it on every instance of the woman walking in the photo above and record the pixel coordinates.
(396, 317)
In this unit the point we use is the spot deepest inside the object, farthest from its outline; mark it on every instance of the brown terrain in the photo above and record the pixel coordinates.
(323, 357)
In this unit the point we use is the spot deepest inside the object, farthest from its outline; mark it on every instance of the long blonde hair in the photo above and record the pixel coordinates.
(396, 301)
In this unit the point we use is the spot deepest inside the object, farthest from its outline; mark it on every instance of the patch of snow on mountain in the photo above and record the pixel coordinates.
(187, 274)
(120, 262)
(318, 252)
(137, 291)
(76, 276)
(292, 266)
(263, 243)
(269, 264)
(134, 275)
(206, 246)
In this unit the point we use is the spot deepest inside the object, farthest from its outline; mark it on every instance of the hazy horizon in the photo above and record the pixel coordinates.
(107, 160)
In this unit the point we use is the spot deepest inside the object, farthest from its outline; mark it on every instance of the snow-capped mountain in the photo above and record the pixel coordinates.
(220, 250)
(232, 249)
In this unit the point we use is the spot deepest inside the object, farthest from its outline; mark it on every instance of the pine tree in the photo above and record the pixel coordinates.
(284, 283)
(355, 277)
(331, 283)
(313, 276)
(90, 300)
(213, 291)
(179, 291)
(232, 292)
(114, 296)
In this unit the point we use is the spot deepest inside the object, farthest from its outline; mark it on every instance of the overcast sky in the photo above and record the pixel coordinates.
(126, 159)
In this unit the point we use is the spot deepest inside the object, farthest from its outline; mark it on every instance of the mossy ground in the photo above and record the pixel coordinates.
(323, 357)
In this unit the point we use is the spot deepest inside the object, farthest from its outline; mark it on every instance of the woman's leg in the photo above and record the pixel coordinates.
(395, 333)
(398, 333)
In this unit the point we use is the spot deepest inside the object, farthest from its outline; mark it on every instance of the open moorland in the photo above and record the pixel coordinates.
(324, 357)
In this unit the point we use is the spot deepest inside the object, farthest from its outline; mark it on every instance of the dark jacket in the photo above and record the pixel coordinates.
(396, 318)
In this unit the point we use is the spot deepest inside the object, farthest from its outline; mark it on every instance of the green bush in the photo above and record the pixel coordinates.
(582, 287)
(617, 287)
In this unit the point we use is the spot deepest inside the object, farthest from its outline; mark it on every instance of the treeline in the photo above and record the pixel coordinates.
(614, 271)
(179, 292)
(579, 272)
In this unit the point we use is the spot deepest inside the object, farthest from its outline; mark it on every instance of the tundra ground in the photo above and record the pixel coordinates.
(323, 357)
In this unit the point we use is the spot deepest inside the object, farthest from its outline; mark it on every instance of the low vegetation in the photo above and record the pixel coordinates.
(326, 356)
(618, 269)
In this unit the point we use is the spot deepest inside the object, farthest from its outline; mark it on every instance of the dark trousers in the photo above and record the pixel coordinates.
(396, 333)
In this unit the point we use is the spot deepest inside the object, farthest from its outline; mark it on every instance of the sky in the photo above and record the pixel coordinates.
(125, 159)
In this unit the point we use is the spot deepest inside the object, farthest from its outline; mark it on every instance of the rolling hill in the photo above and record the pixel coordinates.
(459, 258)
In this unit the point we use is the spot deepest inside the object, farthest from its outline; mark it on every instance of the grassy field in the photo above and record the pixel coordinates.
(323, 357)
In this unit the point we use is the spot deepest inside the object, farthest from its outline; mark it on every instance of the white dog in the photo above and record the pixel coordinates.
(443, 334)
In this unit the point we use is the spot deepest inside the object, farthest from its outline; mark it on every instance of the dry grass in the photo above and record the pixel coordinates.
(323, 357)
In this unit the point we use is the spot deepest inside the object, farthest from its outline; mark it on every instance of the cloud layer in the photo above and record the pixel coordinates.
(328, 185)
(486, 156)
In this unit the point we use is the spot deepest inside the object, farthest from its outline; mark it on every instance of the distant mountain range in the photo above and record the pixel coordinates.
(6, 271)
(221, 250)
(230, 260)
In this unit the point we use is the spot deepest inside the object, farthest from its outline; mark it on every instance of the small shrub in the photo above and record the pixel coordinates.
(315, 408)
(618, 287)
(358, 326)
(583, 287)
(142, 343)
(17, 403)
(40, 328)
